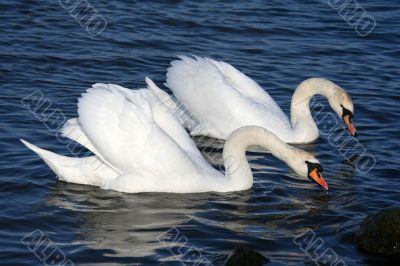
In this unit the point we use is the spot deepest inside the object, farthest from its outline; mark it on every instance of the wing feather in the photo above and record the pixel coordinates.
(221, 98)
(120, 124)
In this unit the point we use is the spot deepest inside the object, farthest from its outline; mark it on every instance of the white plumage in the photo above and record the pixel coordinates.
(222, 99)
(140, 146)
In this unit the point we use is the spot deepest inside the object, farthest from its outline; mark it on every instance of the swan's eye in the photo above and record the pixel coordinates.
(311, 166)
(345, 112)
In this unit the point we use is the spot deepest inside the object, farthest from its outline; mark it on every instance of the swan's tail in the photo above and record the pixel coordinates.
(54, 161)
(87, 170)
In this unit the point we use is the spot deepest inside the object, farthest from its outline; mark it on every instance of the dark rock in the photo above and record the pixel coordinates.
(380, 233)
(244, 256)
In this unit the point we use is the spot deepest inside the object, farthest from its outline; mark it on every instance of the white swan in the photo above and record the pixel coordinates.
(221, 99)
(140, 146)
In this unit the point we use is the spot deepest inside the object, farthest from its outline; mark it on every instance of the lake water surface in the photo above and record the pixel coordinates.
(45, 50)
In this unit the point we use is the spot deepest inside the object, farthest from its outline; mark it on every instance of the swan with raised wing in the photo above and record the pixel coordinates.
(222, 99)
(140, 146)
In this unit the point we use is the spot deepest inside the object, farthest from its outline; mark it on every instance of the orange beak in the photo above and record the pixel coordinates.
(350, 125)
(317, 177)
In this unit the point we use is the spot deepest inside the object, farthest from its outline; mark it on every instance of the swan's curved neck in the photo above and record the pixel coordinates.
(237, 168)
(302, 121)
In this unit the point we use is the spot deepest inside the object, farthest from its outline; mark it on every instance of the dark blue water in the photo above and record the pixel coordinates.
(45, 50)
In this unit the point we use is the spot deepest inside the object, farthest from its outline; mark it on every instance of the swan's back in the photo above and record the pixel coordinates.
(120, 123)
(139, 145)
(222, 98)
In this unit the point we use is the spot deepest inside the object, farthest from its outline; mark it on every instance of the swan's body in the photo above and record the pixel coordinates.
(221, 99)
(140, 146)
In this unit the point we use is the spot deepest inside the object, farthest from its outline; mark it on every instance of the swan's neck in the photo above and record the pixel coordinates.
(237, 168)
(302, 121)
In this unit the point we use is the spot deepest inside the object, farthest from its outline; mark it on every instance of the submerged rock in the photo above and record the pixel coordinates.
(380, 233)
(244, 256)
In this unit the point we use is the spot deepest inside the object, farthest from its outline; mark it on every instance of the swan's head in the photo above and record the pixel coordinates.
(343, 106)
(307, 166)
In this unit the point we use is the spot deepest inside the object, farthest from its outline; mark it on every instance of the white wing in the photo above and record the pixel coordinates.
(245, 85)
(72, 130)
(170, 119)
(122, 126)
(176, 109)
(221, 98)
